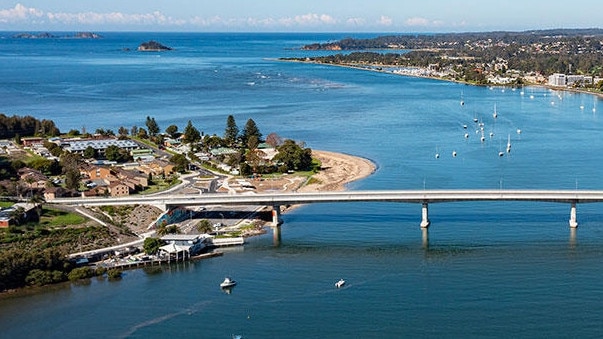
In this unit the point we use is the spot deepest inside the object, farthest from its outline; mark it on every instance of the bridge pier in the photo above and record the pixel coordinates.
(573, 221)
(276, 215)
(276, 235)
(424, 216)
(425, 237)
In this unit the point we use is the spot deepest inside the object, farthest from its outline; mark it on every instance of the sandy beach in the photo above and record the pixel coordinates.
(337, 170)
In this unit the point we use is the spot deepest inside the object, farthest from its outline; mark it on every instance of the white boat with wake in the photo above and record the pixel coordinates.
(228, 283)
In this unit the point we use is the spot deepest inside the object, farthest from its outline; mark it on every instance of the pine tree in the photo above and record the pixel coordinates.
(152, 126)
(191, 134)
(232, 131)
(251, 129)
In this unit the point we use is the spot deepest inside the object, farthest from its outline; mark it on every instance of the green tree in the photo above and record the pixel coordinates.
(152, 126)
(90, 152)
(122, 131)
(245, 169)
(114, 274)
(142, 133)
(251, 129)
(151, 245)
(172, 131)
(114, 153)
(180, 162)
(293, 156)
(252, 142)
(46, 166)
(71, 168)
(232, 131)
(191, 134)
(80, 273)
(72, 179)
(38, 277)
(53, 148)
(254, 158)
(204, 226)
(213, 141)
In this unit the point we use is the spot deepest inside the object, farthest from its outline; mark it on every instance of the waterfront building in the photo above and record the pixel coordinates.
(557, 79)
(180, 246)
(578, 80)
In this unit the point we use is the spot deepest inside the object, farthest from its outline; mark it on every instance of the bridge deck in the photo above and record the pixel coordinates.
(406, 196)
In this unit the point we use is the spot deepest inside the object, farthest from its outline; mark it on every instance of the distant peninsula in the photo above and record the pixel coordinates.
(562, 58)
(153, 46)
(46, 35)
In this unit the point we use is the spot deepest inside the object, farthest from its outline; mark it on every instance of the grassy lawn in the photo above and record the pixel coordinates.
(55, 218)
(5, 204)
(159, 185)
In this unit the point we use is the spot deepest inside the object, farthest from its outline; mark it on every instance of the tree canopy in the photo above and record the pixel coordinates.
(152, 126)
(251, 129)
(294, 157)
(232, 131)
(191, 134)
(26, 126)
(172, 131)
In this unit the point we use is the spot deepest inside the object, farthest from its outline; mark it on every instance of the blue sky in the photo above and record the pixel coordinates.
(298, 15)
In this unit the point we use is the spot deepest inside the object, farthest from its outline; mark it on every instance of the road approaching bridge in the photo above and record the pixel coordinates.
(423, 197)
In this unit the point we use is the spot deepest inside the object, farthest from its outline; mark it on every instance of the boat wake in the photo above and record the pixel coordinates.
(188, 311)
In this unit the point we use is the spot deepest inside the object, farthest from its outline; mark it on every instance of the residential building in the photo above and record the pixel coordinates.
(32, 178)
(79, 146)
(557, 79)
(118, 189)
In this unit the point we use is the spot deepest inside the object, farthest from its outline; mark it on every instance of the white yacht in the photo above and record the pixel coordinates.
(228, 283)
(340, 283)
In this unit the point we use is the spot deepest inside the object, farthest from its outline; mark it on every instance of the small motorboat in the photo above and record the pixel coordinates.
(228, 283)
(340, 283)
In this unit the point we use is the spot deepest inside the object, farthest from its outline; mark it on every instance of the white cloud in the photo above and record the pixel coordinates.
(385, 21)
(313, 19)
(356, 21)
(20, 13)
(423, 22)
(40, 19)
(417, 21)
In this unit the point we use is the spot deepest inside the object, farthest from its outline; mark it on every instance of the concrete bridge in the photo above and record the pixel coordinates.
(423, 197)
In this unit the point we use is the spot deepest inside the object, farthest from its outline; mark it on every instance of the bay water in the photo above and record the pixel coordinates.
(489, 269)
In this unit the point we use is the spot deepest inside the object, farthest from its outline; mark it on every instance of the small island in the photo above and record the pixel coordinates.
(46, 35)
(153, 46)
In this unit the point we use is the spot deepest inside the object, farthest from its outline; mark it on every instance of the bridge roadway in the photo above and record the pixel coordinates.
(424, 197)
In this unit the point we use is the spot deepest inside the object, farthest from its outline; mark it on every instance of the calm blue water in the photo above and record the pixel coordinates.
(489, 269)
